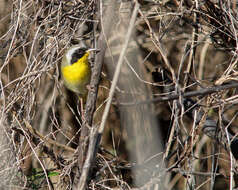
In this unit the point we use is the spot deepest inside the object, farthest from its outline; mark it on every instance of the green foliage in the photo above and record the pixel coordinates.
(37, 178)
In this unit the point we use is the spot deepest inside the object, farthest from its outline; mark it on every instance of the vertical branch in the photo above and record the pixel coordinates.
(92, 95)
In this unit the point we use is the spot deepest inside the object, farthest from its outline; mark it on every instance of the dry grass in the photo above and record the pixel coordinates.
(182, 46)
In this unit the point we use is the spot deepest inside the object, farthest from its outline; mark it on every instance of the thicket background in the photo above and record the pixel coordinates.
(157, 135)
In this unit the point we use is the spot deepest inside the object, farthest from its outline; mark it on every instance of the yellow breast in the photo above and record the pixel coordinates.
(77, 75)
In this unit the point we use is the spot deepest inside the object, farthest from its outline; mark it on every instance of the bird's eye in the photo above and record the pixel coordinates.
(79, 53)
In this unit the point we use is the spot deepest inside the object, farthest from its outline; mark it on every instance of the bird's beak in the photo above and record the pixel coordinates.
(94, 50)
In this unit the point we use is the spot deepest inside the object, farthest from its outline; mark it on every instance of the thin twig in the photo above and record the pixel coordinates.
(118, 67)
(201, 92)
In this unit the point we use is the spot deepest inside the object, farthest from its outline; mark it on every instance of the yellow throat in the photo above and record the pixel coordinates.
(77, 75)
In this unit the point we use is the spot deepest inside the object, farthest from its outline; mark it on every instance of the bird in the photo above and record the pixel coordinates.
(76, 69)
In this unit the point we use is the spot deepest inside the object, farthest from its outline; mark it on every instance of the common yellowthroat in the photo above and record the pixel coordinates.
(76, 70)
